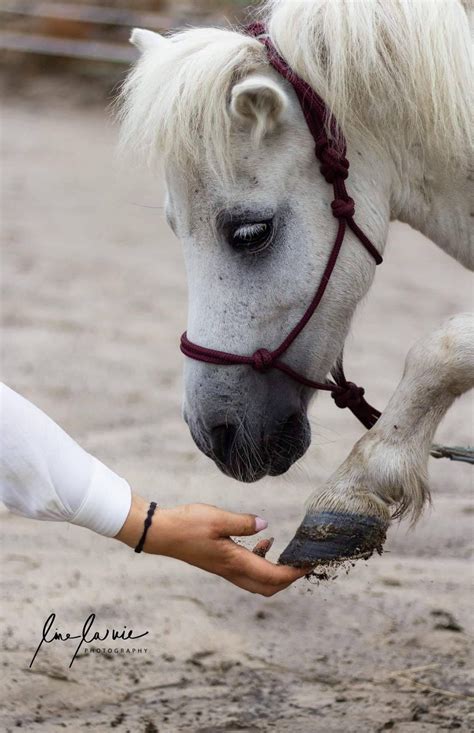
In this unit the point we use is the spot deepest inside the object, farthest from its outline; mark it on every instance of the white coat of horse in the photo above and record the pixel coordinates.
(246, 198)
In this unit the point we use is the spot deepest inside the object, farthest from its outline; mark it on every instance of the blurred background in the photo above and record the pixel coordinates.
(89, 39)
(93, 302)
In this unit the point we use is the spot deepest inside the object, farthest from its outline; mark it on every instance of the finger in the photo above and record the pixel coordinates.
(253, 586)
(262, 547)
(259, 569)
(232, 524)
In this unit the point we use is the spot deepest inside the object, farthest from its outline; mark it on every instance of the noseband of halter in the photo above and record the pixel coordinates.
(335, 169)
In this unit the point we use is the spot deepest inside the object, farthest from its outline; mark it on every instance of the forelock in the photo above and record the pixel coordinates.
(175, 101)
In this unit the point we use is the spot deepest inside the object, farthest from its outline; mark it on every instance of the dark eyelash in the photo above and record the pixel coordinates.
(251, 237)
(247, 231)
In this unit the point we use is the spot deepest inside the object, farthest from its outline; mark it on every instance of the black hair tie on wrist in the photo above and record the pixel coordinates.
(146, 527)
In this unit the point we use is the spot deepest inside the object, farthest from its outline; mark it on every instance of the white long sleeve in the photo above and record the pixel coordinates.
(45, 474)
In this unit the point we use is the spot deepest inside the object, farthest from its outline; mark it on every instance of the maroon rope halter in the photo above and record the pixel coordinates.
(335, 169)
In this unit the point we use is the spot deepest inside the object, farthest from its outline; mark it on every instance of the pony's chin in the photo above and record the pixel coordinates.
(273, 460)
(249, 475)
(245, 473)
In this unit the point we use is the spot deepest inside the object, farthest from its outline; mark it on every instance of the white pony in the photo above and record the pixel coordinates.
(246, 198)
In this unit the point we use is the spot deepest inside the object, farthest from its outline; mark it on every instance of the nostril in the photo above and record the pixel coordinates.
(288, 442)
(222, 440)
(291, 425)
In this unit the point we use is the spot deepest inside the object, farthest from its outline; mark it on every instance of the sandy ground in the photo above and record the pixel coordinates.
(94, 299)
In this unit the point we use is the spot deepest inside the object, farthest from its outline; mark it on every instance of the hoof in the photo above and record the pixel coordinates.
(328, 537)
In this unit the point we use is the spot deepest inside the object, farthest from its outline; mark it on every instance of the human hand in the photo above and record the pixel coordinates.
(200, 535)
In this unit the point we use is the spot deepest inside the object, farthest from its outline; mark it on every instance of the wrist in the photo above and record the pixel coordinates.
(159, 538)
(132, 528)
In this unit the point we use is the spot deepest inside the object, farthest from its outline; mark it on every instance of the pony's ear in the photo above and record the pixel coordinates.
(147, 40)
(259, 102)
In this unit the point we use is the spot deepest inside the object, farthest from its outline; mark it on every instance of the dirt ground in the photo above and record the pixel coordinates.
(94, 299)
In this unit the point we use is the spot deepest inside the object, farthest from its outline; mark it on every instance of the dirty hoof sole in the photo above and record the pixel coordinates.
(326, 537)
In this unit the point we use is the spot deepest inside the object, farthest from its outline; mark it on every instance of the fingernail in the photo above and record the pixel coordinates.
(260, 524)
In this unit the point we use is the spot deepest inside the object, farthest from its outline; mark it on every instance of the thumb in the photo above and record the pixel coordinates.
(240, 524)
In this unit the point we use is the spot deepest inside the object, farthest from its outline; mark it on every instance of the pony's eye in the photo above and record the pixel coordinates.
(251, 237)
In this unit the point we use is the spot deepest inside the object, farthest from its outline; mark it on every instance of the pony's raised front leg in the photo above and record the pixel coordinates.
(385, 475)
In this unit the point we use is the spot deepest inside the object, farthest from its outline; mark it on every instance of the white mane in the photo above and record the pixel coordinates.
(397, 70)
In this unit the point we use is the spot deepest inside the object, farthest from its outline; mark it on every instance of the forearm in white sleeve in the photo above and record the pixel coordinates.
(45, 474)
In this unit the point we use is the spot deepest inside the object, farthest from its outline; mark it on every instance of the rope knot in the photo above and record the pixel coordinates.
(350, 396)
(262, 360)
(333, 166)
(343, 208)
(321, 144)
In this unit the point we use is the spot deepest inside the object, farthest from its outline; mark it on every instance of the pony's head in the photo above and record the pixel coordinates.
(247, 200)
